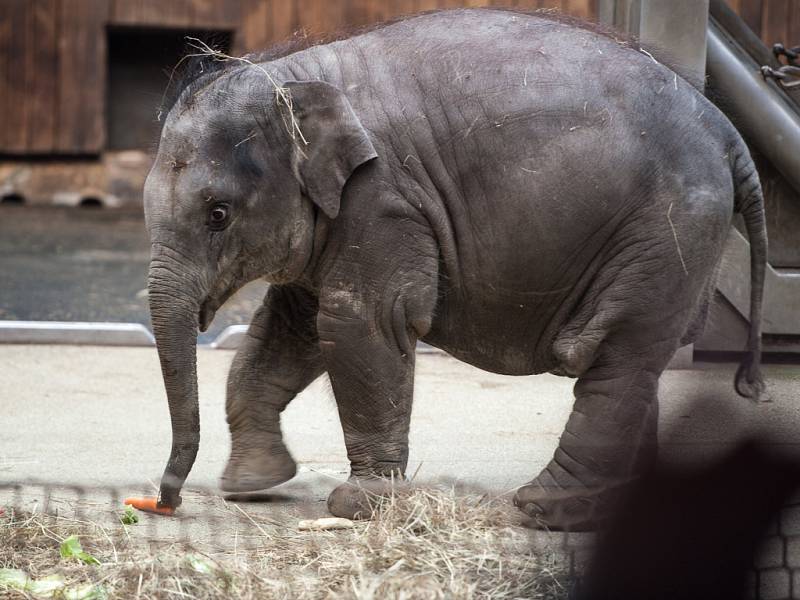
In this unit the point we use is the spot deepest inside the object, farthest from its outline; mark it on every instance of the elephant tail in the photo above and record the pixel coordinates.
(749, 202)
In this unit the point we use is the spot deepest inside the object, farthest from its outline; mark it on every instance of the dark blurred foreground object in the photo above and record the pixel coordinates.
(690, 534)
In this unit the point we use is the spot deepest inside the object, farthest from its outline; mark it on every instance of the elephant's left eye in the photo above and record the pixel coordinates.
(218, 216)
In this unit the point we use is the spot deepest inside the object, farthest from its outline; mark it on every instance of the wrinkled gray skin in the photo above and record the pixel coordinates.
(527, 195)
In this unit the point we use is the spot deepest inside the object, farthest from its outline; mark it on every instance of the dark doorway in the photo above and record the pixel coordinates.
(139, 64)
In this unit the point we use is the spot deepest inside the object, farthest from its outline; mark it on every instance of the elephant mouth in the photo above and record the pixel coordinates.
(206, 315)
(210, 306)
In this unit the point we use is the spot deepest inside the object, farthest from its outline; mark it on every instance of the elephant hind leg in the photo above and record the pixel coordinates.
(698, 323)
(610, 439)
(636, 311)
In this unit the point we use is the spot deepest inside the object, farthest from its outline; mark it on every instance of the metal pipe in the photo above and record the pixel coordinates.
(756, 106)
(727, 20)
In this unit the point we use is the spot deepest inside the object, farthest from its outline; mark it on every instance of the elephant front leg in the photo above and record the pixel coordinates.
(610, 440)
(372, 379)
(278, 359)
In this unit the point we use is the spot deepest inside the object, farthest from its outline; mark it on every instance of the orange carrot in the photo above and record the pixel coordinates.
(150, 505)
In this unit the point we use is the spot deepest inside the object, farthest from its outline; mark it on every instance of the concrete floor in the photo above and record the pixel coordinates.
(98, 417)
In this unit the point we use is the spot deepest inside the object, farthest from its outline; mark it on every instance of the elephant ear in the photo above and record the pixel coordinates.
(337, 143)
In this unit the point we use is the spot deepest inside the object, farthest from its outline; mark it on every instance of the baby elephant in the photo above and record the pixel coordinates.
(523, 192)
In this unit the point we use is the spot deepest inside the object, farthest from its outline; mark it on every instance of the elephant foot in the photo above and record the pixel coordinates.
(569, 509)
(255, 471)
(358, 498)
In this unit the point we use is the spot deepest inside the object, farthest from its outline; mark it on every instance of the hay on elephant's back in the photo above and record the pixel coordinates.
(423, 544)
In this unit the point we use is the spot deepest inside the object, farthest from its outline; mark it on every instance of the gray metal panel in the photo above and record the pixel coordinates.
(781, 289)
(782, 208)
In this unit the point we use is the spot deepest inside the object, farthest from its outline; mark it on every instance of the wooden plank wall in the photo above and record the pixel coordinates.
(28, 62)
(81, 91)
(773, 20)
(53, 63)
(53, 52)
(267, 21)
(53, 71)
(190, 14)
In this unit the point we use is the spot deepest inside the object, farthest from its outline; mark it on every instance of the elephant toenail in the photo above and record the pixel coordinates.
(532, 509)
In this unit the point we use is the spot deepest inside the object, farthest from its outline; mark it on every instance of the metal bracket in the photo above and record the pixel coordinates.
(788, 75)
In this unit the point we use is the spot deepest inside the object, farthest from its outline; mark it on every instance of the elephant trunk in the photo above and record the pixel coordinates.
(174, 290)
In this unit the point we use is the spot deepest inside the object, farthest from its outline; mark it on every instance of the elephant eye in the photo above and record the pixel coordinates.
(218, 217)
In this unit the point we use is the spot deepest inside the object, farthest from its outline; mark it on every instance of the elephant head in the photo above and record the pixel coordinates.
(237, 186)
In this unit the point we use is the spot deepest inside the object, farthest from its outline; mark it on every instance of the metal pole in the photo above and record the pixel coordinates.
(624, 15)
(761, 114)
(674, 28)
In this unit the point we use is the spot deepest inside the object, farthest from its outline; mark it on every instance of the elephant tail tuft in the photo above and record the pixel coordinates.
(749, 202)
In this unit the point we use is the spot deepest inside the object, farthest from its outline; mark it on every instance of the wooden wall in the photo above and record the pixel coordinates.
(53, 55)
(264, 21)
(52, 75)
(191, 14)
(773, 20)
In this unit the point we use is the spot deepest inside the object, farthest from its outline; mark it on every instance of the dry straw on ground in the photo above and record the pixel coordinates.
(425, 544)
